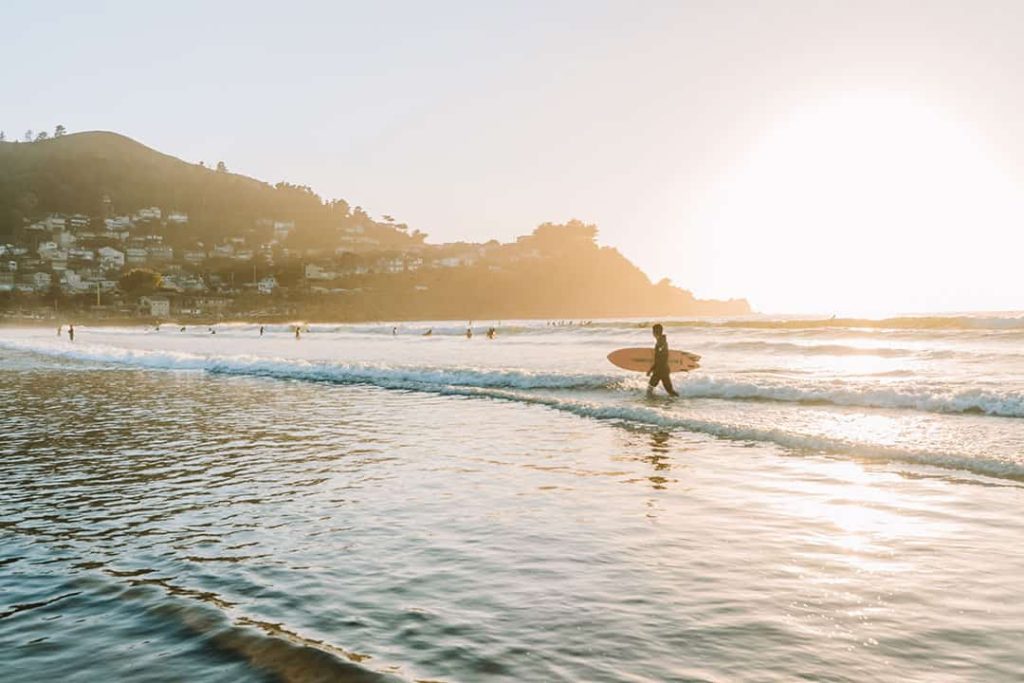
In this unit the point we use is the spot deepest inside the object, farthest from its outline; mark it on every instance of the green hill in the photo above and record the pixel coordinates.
(97, 173)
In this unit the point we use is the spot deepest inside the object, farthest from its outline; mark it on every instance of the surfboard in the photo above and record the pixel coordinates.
(641, 360)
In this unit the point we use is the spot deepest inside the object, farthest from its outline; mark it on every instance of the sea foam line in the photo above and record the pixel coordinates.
(418, 380)
(862, 396)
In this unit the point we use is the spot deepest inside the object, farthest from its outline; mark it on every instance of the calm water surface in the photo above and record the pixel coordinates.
(356, 506)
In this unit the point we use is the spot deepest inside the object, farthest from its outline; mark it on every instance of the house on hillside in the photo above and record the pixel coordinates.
(315, 272)
(49, 251)
(110, 258)
(78, 222)
(135, 256)
(151, 213)
(267, 285)
(34, 282)
(177, 217)
(160, 252)
(155, 306)
(282, 229)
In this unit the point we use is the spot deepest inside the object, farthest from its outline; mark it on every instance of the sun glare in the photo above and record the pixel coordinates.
(870, 205)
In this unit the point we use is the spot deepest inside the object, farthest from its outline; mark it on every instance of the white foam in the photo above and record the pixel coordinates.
(1002, 404)
(513, 385)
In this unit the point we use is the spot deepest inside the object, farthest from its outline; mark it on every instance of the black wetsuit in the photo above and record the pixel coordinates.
(659, 371)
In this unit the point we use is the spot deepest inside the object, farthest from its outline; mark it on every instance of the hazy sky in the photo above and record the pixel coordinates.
(850, 157)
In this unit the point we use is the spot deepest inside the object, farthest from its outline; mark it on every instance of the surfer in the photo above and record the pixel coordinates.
(429, 332)
(71, 332)
(659, 372)
(261, 330)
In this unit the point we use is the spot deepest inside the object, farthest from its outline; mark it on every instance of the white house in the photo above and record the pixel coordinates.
(391, 265)
(110, 258)
(315, 272)
(135, 255)
(82, 254)
(118, 223)
(267, 285)
(283, 228)
(54, 222)
(50, 250)
(178, 217)
(78, 221)
(37, 282)
(157, 306)
(151, 213)
(160, 253)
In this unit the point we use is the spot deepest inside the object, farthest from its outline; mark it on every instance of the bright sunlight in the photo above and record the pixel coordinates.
(870, 204)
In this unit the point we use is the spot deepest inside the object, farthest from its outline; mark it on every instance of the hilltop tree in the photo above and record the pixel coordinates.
(28, 135)
(42, 136)
(3, 137)
(59, 131)
(221, 167)
(139, 281)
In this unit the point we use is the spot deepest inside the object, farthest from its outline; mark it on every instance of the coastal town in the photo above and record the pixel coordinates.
(95, 226)
(134, 265)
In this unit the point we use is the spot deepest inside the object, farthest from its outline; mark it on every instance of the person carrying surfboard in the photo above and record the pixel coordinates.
(659, 371)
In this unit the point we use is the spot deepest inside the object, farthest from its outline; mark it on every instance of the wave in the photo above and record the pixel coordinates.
(383, 375)
(863, 396)
(652, 417)
(817, 349)
(903, 397)
(270, 649)
(963, 322)
(515, 385)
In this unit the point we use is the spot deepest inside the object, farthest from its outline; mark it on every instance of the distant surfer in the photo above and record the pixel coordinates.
(394, 331)
(261, 330)
(491, 333)
(298, 333)
(659, 372)
(469, 333)
(71, 332)
(429, 332)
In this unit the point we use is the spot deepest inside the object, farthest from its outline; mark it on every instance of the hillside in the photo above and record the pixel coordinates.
(101, 173)
(331, 262)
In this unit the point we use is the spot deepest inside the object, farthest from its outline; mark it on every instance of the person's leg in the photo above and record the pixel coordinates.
(666, 381)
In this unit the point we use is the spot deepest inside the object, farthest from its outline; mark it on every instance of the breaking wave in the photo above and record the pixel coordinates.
(900, 397)
(862, 396)
(540, 388)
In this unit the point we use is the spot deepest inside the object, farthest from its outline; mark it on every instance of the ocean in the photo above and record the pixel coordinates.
(831, 500)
